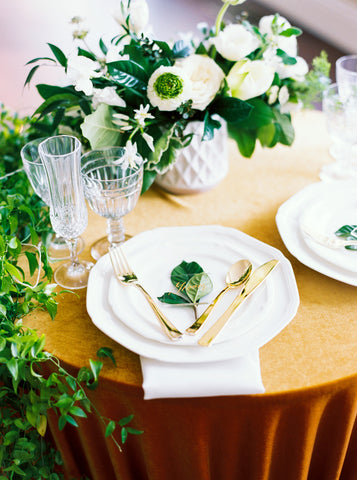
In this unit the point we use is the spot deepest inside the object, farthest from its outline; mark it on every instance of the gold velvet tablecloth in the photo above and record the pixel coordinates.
(303, 428)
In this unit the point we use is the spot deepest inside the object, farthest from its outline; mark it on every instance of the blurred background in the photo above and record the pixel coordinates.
(27, 26)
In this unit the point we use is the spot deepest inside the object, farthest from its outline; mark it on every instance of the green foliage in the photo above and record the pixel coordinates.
(160, 136)
(191, 282)
(27, 390)
(348, 232)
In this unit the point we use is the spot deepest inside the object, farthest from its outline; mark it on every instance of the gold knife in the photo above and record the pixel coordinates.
(257, 277)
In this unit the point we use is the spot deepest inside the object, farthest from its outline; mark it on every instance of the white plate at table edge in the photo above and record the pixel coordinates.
(102, 316)
(288, 223)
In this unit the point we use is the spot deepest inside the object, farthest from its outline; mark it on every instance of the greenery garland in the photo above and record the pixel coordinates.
(26, 393)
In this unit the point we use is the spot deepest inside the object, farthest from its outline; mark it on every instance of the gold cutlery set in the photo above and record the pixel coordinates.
(240, 274)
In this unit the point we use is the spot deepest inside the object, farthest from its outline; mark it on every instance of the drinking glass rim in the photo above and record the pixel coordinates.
(138, 168)
(77, 145)
(34, 162)
(347, 57)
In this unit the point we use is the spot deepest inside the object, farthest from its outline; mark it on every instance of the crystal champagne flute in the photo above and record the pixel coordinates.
(112, 185)
(36, 174)
(61, 156)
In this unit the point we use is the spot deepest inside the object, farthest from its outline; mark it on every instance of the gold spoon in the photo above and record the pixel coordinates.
(237, 275)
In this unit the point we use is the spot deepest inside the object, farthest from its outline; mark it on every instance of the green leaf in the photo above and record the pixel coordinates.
(209, 126)
(99, 129)
(106, 352)
(287, 60)
(2, 341)
(232, 109)
(266, 135)
(13, 367)
(289, 32)
(85, 53)
(198, 286)
(148, 180)
(245, 139)
(60, 56)
(285, 128)
(59, 100)
(12, 270)
(348, 232)
(181, 49)
(129, 74)
(157, 160)
(134, 431)
(102, 46)
(181, 274)
(124, 434)
(31, 74)
(125, 420)
(172, 298)
(110, 428)
(32, 261)
(77, 411)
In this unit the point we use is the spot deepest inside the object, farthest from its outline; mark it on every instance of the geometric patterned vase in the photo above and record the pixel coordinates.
(200, 165)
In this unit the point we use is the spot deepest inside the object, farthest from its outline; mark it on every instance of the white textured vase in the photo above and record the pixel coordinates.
(200, 165)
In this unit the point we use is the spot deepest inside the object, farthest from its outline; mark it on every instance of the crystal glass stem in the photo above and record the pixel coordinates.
(115, 231)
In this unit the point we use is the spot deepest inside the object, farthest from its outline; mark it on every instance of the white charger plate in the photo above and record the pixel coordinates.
(124, 315)
(327, 206)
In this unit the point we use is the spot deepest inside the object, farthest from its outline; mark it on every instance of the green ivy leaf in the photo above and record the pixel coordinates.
(348, 232)
(209, 126)
(106, 352)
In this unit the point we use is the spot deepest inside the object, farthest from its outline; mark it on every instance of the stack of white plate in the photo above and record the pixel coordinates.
(123, 313)
(307, 223)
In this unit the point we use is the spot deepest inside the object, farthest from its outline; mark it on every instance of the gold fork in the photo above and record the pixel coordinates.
(126, 276)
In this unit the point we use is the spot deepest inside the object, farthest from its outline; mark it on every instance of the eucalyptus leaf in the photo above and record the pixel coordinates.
(198, 286)
(99, 129)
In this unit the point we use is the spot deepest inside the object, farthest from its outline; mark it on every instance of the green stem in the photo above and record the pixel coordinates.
(220, 16)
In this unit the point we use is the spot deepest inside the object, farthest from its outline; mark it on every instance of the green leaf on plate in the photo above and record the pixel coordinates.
(348, 232)
(172, 298)
(181, 274)
(198, 286)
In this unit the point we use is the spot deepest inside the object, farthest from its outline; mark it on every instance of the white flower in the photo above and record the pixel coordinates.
(249, 79)
(130, 155)
(273, 94)
(107, 95)
(138, 12)
(168, 88)
(142, 114)
(123, 121)
(283, 95)
(149, 140)
(271, 26)
(79, 72)
(206, 78)
(296, 72)
(235, 42)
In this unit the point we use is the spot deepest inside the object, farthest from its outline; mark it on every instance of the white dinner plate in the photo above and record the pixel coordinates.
(124, 315)
(324, 207)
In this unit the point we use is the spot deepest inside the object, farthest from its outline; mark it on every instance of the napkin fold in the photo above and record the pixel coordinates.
(236, 376)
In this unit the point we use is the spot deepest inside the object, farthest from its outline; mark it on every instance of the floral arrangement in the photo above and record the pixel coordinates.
(142, 92)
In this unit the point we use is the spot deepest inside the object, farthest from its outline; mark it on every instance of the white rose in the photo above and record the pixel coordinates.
(206, 78)
(138, 12)
(235, 42)
(79, 72)
(107, 95)
(288, 44)
(296, 72)
(168, 88)
(249, 79)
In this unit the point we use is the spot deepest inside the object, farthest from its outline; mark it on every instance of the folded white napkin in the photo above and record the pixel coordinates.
(237, 376)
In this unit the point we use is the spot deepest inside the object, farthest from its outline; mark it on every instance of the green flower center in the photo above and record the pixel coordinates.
(168, 85)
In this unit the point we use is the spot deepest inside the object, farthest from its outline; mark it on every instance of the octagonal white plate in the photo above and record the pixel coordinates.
(124, 315)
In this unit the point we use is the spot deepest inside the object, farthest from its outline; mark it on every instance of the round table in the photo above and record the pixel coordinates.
(303, 427)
